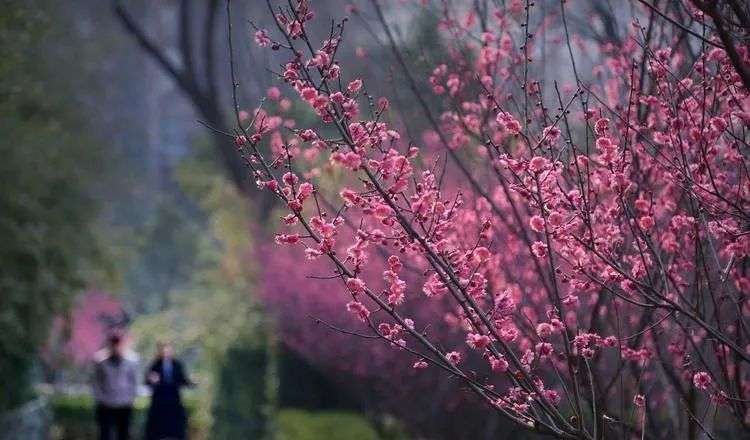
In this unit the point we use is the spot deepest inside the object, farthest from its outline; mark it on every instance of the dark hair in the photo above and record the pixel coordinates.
(114, 338)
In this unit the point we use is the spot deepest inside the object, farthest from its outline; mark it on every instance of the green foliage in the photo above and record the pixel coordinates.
(329, 425)
(73, 416)
(46, 172)
(240, 408)
(304, 387)
(213, 307)
(74, 420)
(212, 317)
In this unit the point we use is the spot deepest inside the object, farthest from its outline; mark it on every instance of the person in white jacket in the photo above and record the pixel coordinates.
(115, 384)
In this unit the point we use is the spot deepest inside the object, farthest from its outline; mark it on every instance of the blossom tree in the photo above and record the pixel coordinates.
(586, 234)
(309, 323)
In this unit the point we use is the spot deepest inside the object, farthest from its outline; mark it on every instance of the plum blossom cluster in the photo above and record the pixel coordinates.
(601, 252)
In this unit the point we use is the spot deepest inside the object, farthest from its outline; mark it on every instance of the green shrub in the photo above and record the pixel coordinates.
(74, 420)
(295, 424)
(73, 416)
(49, 175)
(240, 404)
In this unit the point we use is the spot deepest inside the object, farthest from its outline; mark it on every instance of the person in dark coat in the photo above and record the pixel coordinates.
(167, 418)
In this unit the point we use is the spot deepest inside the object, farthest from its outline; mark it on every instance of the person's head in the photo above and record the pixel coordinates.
(164, 350)
(116, 343)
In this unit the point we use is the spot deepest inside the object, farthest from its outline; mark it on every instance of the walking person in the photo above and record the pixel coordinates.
(167, 418)
(114, 383)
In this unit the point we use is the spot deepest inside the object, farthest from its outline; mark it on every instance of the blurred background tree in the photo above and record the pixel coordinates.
(48, 166)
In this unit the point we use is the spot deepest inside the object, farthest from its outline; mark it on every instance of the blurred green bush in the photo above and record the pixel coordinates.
(240, 406)
(296, 424)
(49, 173)
(74, 420)
(73, 417)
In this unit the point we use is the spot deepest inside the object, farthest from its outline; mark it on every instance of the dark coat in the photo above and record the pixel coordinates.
(166, 415)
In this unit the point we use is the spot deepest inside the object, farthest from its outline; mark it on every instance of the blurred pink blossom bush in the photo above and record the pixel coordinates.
(91, 320)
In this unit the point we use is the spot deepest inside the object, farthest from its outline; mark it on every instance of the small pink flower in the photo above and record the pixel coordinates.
(386, 329)
(702, 380)
(605, 144)
(320, 102)
(354, 86)
(338, 98)
(285, 104)
(383, 211)
(537, 223)
(506, 121)
(481, 254)
(287, 238)
(273, 93)
(434, 286)
(601, 126)
(294, 205)
(358, 309)
(351, 159)
(420, 365)
(498, 365)
(383, 104)
(646, 222)
(453, 357)
(308, 135)
(312, 254)
(308, 93)
(509, 334)
(350, 197)
(294, 29)
(272, 185)
(261, 38)
(240, 141)
(553, 396)
(290, 179)
(537, 164)
(551, 134)
(639, 400)
(544, 330)
(642, 205)
(539, 249)
(355, 285)
(555, 218)
(394, 263)
(544, 349)
(528, 357)
(477, 341)
(305, 190)
(718, 124)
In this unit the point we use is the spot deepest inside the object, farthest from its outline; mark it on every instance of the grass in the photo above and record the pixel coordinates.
(296, 424)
